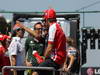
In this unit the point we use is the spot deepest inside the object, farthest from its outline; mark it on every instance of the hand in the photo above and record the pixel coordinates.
(64, 68)
(20, 24)
(38, 57)
(28, 64)
(68, 69)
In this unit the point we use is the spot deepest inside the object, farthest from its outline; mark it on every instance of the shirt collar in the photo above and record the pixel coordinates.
(16, 38)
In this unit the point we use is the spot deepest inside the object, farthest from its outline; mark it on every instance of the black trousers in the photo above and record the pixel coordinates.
(48, 63)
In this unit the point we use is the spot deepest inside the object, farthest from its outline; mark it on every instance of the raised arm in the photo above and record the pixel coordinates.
(27, 29)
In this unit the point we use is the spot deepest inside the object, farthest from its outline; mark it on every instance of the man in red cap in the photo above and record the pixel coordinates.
(55, 52)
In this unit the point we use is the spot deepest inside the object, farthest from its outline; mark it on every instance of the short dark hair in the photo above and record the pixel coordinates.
(37, 24)
(70, 41)
(3, 25)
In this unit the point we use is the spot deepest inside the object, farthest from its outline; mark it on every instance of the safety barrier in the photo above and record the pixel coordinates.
(0, 73)
(25, 67)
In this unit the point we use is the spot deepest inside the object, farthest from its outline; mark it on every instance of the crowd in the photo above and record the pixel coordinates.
(45, 46)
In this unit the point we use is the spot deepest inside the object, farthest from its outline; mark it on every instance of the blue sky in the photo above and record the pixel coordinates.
(58, 5)
(40, 5)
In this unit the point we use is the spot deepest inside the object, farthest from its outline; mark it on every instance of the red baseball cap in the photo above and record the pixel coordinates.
(49, 14)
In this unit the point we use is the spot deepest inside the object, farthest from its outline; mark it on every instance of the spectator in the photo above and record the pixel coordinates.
(17, 50)
(71, 65)
(34, 43)
(4, 58)
(3, 25)
(56, 44)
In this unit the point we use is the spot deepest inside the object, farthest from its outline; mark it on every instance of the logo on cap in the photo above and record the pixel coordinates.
(90, 71)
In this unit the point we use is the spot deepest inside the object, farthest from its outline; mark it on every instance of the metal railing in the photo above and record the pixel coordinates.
(25, 67)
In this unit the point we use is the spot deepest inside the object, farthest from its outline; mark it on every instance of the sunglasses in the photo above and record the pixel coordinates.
(44, 29)
(37, 28)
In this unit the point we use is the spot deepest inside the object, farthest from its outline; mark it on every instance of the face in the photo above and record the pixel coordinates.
(45, 27)
(20, 33)
(45, 22)
(45, 30)
(38, 29)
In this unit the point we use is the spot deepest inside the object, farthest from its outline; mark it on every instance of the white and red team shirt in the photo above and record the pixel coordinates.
(58, 39)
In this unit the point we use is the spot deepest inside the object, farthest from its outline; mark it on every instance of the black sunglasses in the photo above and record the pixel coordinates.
(37, 28)
(44, 29)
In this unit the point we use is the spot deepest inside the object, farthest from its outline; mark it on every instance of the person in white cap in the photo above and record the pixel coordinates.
(17, 50)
